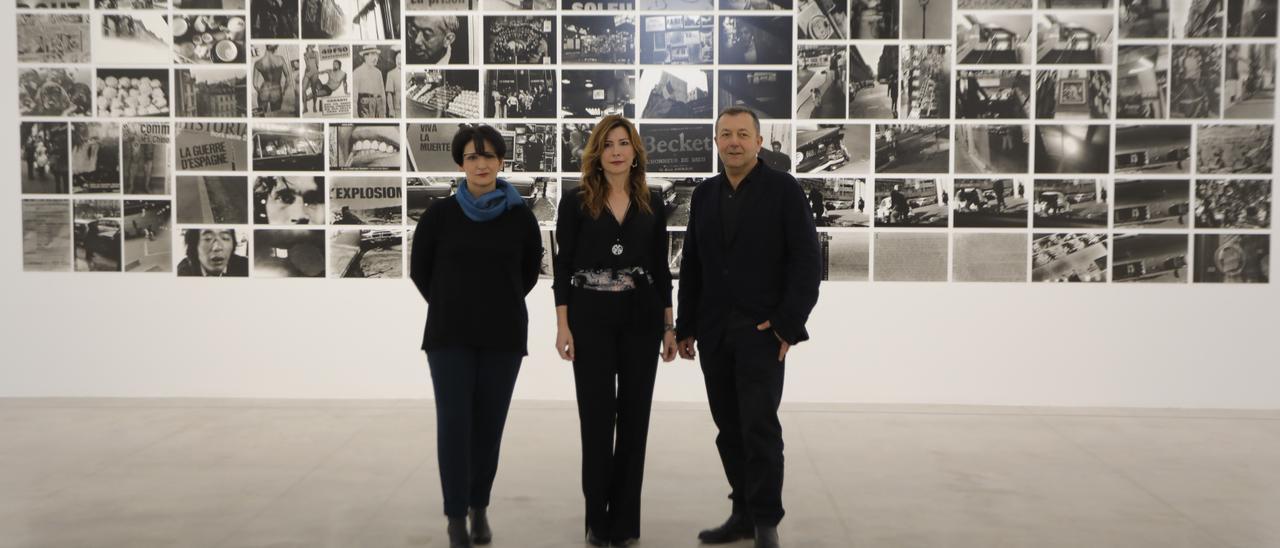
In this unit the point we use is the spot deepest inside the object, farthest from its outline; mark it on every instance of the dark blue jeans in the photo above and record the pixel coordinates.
(473, 393)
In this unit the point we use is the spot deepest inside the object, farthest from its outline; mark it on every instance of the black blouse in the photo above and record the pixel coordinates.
(586, 243)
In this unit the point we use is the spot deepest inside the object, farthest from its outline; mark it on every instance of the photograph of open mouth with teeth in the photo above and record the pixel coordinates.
(364, 147)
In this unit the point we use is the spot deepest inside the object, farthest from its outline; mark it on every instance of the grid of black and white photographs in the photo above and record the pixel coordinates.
(1099, 141)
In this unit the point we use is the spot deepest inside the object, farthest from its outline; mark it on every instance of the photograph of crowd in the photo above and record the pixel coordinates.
(598, 39)
(1233, 203)
(520, 94)
(519, 40)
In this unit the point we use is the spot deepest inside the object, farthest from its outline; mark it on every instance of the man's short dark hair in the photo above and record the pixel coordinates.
(191, 239)
(736, 110)
(481, 135)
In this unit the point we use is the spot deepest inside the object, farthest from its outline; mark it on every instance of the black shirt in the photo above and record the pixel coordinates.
(586, 244)
(475, 276)
(732, 202)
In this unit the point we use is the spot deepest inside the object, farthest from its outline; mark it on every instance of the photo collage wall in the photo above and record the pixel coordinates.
(962, 140)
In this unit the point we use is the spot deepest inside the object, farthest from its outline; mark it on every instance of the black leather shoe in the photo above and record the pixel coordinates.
(480, 532)
(625, 542)
(594, 539)
(767, 537)
(736, 528)
(458, 537)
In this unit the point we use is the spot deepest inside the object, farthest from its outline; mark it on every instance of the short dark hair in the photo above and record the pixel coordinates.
(478, 134)
(735, 110)
(191, 239)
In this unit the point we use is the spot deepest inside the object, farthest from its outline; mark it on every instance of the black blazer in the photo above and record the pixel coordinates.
(770, 271)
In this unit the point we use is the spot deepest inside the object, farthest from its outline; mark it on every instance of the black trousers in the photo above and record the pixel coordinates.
(744, 387)
(614, 368)
(473, 393)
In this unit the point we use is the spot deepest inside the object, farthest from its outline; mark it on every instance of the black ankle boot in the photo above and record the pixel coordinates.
(767, 537)
(480, 532)
(594, 539)
(736, 528)
(458, 537)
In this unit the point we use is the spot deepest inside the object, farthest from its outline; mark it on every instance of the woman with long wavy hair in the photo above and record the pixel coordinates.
(613, 306)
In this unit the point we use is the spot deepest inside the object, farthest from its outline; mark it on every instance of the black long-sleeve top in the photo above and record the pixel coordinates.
(475, 276)
(587, 244)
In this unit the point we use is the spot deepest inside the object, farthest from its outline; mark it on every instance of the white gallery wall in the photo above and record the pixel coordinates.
(143, 335)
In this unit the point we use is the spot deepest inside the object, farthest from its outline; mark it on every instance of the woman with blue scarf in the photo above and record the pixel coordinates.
(476, 255)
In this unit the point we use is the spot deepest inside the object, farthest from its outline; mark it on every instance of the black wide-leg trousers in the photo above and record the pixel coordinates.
(614, 368)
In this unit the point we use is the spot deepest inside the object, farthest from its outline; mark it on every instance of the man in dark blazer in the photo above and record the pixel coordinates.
(748, 280)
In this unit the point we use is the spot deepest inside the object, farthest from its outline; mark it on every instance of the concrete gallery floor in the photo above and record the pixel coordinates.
(252, 473)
